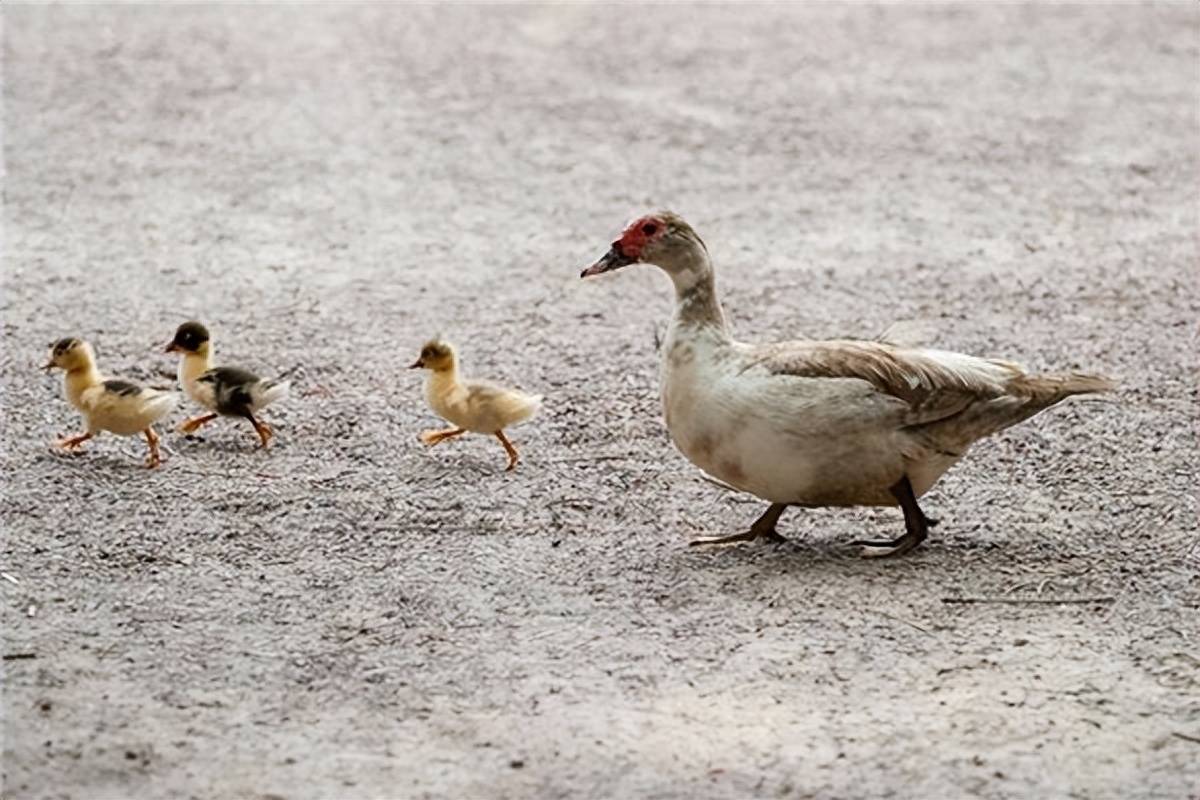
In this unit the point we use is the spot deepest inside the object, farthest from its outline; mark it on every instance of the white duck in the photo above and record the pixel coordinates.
(820, 423)
(107, 404)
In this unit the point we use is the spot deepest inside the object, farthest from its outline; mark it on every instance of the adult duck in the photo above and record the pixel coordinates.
(820, 423)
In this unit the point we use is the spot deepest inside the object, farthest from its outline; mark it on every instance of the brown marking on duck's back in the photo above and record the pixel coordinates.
(910, 376)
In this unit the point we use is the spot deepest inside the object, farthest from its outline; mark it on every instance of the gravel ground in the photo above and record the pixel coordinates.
(350, 615)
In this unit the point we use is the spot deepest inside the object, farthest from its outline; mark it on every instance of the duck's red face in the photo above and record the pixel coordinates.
(631, 248)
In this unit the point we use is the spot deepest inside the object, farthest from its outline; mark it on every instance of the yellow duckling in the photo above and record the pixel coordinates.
(469, 405)
(107, 404)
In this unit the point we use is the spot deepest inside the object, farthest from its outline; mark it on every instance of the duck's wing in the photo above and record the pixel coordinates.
(950, 399)
(499, 404)
(120, 403)
(233, 389)
(481, 392)
(121, 388)
(915, 376)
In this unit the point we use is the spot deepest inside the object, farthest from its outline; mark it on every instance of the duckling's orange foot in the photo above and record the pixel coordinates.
(72, 443)
(514, 457)
(265, 434)
(153, 459)
(193, 424)
(431, 438)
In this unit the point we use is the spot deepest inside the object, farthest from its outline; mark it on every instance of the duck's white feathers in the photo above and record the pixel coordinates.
(838, 422)
(820, 423)
(935, 384)
(911, 374)
(268, 391)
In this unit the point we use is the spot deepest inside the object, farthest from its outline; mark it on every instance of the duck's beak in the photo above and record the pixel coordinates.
(615, 258)
(49, 365)
(416, 364)
(172, 348)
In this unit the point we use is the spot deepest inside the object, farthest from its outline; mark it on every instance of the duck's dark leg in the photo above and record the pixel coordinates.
(916, 525)
(763, 528)
(262, 429)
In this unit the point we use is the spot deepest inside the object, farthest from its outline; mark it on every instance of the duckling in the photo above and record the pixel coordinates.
(224, 391)
(107, 404)
(471, 405)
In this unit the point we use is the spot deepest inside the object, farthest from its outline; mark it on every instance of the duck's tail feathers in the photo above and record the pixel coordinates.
(272, 390)
(525, 407)
(1024, 397)
(1046, 390)
(160, 404)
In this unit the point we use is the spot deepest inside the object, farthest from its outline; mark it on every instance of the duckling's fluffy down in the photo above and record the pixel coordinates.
(490, 408)
(123, 412)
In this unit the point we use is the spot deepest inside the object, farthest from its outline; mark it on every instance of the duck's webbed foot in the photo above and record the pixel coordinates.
(154, 458)
(193, 424)
(763, 528)
(264, 431)
(514, 457)
(431, 438)
(72, 443)
(916, 526)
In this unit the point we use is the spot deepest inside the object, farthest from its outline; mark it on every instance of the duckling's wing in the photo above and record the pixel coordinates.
(232, 376)
(499, 405)
(239, 392)
(233, 389)
(125, 407)
(480, 391)
(121, 388)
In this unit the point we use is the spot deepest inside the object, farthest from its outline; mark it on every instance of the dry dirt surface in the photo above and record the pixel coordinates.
(351, 615)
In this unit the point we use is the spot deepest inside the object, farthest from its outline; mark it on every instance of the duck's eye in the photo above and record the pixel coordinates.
(649, 229)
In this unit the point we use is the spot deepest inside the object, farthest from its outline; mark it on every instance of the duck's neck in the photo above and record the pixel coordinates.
(696, 303)
(193, 365)
(78, 380)
(443, 381)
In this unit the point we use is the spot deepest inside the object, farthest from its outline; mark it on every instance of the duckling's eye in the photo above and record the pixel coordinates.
(649, 229)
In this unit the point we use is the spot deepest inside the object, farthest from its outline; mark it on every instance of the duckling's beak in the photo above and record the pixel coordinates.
(49, 365)
(172, 348)
(417, 364)
(615, 258)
